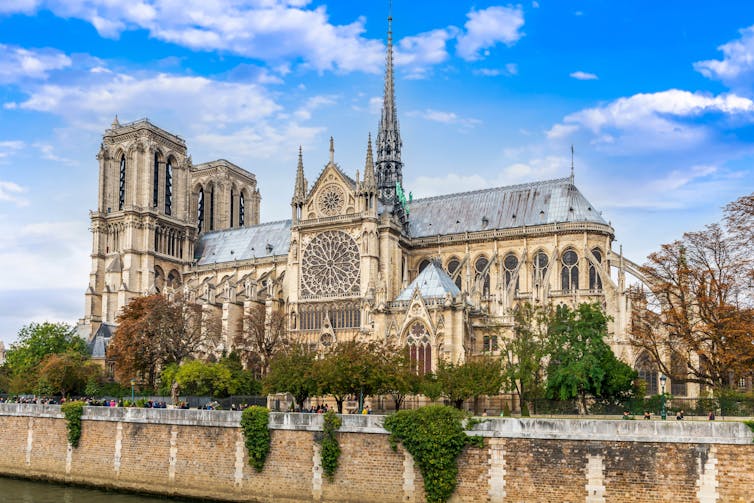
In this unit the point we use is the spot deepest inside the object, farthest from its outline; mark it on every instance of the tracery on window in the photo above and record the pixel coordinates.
(595, 280)
(569, 271)
(330, 265)
(232, 204)
(540, 267)
(241, 210)
(331, 200)
(156, 180)
(341, 315)
(419, 348)
(168, 187)
(122, 183)
(483, 274)
(452, 267)
(510, 264)
(212, 208)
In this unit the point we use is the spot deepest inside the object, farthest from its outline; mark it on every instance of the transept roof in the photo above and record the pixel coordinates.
(432, 282)
(244, 243)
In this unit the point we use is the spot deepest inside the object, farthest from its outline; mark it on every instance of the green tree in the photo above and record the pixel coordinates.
(350, 368)
(471, 379)
(400, 377)
(34, 343)
(581, 363)
(67, 373)
(242, 382)
(291, 372)
(199, 378)
(524, 355)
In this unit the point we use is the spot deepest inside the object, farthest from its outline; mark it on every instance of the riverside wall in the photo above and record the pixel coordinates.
(201, 454)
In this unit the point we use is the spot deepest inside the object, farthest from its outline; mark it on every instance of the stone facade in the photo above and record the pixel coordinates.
(359, 258)
(201, 454)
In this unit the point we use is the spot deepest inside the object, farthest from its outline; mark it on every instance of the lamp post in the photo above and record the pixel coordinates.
(133, 383)
(663, 412)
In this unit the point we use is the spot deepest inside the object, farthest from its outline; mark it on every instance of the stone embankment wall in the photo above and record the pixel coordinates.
(202, 454)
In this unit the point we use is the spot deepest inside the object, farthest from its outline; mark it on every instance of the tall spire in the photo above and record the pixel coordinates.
(299, 189)
(369, 181)
(389, 165)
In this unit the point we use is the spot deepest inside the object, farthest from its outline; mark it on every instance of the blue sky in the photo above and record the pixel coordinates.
(656, 97)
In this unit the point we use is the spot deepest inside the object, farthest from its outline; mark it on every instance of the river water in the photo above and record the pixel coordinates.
(26, 491)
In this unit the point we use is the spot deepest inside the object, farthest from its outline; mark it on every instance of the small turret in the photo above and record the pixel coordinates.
(299, 189)
(370, 182)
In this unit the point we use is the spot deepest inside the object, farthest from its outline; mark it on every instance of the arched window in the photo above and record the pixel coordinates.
(232, 201)
(200, 209)
(159, 279)
(122, 183)
(453, 265)
(647, 370)
(483, 273)
(419, 349)
(540, 267)
(174, 279)
(168, 187)
(510, 264)
(212, 208)
(423, 265)
(241, 210)
(156, 180)
(569, 272)
(595, 280)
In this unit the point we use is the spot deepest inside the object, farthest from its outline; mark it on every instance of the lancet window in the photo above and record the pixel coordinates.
(419, 348)
(200, 209)
(483, 274)
(241, 210)
(647, 370)
(423, 265)
(569, 271)
(342, 315)
(122, 183)
(678, 371)
(232, 204)
(452, 267)
(510, 264)
(156, 180)
(168, 187)
(540, 267)
(595, 280)
(212, 208)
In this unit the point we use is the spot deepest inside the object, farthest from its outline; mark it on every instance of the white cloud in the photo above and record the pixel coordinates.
(579, 75)
(487, 27)
(509, 70)
(653, 121)
(12, 193)
(268, 30)
(737, 65)
(262, 141)
(17, 63)
(313, 103)
(10, 146)
(444, 117)
(418, 52)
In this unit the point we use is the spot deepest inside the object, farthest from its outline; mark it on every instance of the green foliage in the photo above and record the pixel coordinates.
(242, 382)
(750, 424)
(291, 372)
(470, 379)
(524, 354)
(198, 378)
(256, 432)
(330, 445)
(73, 412)
(506, 410)
(581, 362)
(34, 343)
(68, 372)
(435, 437)
(431, 387)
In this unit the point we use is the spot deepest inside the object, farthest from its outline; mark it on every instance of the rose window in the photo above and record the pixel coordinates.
(331, 265)
(331, 200)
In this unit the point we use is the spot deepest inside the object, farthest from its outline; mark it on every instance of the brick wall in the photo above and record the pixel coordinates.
(202, 454)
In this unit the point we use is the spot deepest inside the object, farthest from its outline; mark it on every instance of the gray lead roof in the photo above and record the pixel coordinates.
(536, 203)
(259, 241)
(432, 282)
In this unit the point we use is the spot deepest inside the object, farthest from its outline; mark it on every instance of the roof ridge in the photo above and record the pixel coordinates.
(285, 220)
(491, 189)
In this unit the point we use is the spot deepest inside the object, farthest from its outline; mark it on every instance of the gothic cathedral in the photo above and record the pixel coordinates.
(359, 258)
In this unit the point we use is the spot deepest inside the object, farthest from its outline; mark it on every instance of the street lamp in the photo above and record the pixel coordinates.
(663, 412)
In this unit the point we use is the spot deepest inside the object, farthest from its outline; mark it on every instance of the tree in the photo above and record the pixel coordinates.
(35, 342)
(66, 373)
(350, 368)
(154, 331)
(524, 355)
(697, 320)
(291, 372)
(199, 378)
(400, 377)
(581, 363)
(471, 379)
(259, 338)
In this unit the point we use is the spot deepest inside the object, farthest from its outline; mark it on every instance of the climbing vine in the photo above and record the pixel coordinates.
(434, 436)
(750, 424)
(254, 423)
(72, 411)
(330, 446)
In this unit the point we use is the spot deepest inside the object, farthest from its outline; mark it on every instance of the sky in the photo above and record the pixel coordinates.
(655, 97)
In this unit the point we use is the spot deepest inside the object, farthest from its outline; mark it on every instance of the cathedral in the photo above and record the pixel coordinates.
(359, 258)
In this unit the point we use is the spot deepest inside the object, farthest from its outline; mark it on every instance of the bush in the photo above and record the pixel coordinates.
(330, 445)
(434, 436)
(73, 412)
(254, 423)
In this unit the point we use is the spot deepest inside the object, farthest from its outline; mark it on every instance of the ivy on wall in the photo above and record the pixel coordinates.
(330, 446)
(72, 411)
(256, 432)
(750, 424)
(434, 436)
